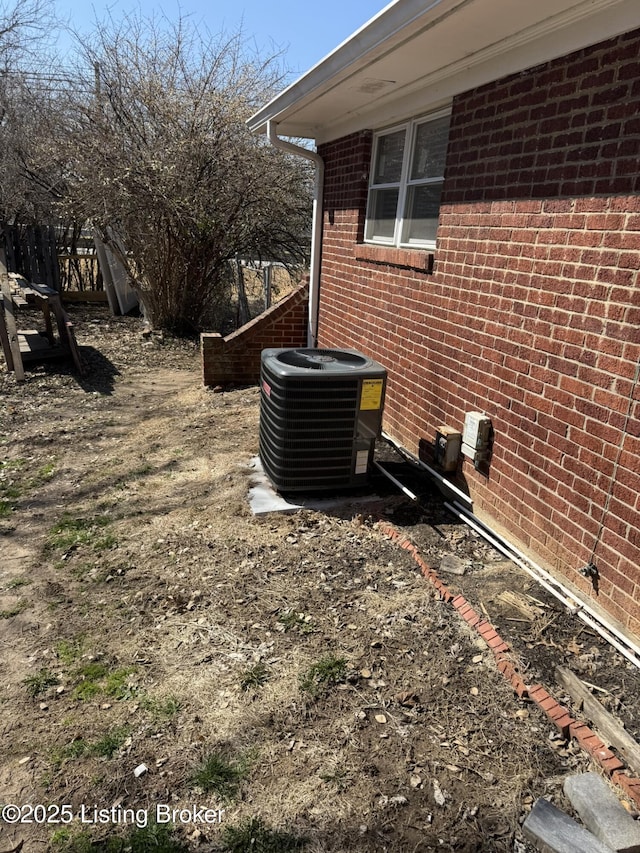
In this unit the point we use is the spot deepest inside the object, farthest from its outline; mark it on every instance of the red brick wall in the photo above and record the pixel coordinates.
(236, 358)
(532, 313)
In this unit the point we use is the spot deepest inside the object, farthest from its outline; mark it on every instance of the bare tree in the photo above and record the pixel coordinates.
(30, 185)
(25, 26)
(160, 161)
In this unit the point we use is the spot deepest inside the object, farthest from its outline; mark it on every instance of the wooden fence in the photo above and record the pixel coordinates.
(31, 251)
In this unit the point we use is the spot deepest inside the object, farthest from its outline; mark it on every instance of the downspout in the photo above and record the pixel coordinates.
(316, 226)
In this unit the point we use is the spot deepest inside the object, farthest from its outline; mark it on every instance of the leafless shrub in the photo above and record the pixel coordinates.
(24, 28)
(165, 168)
(146, 141)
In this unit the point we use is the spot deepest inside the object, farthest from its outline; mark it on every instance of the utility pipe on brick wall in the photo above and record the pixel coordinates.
(316, 225)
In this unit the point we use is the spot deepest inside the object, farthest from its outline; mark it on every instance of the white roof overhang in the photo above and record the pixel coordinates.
(415, 56)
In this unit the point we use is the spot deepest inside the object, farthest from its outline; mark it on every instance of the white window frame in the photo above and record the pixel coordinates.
(403, 185)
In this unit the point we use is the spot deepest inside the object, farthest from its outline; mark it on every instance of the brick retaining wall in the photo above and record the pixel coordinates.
(236, 358)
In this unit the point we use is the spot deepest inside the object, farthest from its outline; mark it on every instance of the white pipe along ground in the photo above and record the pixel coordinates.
(582, 605)
(623, 644)
(431, 471)
(564, 595)
(395, 482)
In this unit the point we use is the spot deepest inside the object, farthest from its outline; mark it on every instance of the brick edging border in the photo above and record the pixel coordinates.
(558, 714)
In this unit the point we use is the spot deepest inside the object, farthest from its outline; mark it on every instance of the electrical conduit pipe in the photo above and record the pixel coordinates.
(580, 603)
(552, 585)
(577, 607)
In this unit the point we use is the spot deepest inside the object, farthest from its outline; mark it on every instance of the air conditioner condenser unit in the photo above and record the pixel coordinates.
(320, 415)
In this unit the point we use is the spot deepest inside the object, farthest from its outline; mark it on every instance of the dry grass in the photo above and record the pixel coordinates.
(372, 699)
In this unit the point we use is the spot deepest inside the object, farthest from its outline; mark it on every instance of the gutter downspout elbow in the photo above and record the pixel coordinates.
(316, 227)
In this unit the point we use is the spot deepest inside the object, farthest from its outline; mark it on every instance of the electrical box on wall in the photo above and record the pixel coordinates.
(476, 436)
(447, 448)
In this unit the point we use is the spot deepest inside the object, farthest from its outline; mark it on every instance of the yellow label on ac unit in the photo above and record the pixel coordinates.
(371, 396)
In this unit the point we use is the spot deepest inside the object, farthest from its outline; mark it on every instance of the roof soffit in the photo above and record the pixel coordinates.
(370, 81)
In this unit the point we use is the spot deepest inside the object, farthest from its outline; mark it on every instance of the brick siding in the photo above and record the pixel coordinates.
(531, 313)
(236, 358)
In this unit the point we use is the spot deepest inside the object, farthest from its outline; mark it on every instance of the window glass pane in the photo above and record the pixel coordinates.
(421, 213)
(383, 208)
(389, 154)
(430, 149)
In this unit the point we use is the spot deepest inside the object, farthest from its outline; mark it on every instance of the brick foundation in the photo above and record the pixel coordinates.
(531, 313)
(236, 358)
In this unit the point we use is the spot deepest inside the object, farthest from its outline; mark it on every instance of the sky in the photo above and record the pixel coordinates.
(305, 32)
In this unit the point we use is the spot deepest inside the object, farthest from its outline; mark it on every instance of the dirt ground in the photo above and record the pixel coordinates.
(161, 646)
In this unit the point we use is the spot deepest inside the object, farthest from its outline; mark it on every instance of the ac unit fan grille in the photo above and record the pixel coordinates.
(307, 443)
(324, 459)
(322, 359)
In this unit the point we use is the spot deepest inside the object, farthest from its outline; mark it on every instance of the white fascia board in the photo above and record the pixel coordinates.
(576, 25)
(436, 90)
(384, 31)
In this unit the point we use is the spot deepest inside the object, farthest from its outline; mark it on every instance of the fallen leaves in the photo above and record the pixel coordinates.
(438, 794)
(408, 699)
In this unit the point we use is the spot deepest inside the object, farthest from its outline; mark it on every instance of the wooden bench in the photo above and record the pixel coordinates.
(30, 345)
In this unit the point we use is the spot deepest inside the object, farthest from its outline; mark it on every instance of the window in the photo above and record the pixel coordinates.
(407, 175)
